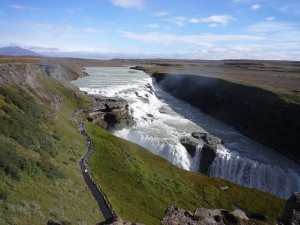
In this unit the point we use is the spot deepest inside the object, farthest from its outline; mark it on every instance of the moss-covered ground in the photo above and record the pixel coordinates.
(141, 185)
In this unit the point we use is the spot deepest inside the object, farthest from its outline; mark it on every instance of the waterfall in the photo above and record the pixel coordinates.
(161, 121)
(253, 174)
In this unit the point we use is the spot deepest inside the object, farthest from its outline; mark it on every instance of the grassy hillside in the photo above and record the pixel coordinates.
(40, 146)
(39, 149)
(141, 185)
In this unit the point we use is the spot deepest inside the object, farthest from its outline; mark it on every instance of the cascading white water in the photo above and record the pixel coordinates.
(161, 120)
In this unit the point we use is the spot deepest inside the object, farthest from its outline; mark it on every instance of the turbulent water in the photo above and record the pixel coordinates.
(161, 120)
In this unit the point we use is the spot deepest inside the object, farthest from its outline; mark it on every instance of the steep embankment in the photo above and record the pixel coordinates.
(40, 146)
(140, 185)
(255, 112)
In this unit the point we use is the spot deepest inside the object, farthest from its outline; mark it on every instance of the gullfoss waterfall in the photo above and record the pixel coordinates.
(162, 120)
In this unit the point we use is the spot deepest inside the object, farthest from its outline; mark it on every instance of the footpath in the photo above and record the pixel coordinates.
(104, 206)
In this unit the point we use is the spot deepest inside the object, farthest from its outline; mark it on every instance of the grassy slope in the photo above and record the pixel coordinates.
(39, 195)
(141, 185)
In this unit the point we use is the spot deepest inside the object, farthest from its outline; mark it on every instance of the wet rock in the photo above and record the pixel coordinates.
(198, 135)
(208, 155)
(110, 113)
(207, 138)
(189, 145)
(291, 214)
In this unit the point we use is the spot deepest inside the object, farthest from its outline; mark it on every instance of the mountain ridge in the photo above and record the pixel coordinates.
(17, 51)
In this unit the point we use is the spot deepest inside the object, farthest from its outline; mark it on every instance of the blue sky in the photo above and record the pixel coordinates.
(189, 29)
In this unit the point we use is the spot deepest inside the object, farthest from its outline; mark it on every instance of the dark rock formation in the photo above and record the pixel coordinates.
(189, 145)
(137, 68)
(202, 216)
(208, 155)
(51, 222)
(291, 214)
(208, 138)
(110, 113)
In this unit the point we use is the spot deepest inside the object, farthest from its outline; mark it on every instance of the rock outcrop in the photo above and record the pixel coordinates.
(291, 214)
(110, 113)
(207, 138)
(189, 145)
(208, 154)
(202, 216)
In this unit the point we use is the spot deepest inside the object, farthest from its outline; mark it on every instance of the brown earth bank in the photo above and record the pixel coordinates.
(255, 112)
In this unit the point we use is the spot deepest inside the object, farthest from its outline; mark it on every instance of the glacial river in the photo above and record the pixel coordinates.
(162, 120)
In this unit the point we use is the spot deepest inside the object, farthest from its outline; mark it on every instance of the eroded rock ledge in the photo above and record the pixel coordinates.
(110, 113)
(203, 216)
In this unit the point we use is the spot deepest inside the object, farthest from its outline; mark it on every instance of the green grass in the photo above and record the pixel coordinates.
(40, 146)
(141, 185)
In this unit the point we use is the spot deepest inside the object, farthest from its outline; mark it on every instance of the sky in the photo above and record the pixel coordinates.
(182, 29)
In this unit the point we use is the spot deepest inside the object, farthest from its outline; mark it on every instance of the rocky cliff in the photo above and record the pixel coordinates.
(110, 113)
(255, 112)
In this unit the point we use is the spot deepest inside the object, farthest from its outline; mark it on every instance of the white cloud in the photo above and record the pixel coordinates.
(214, 20)
(178, 20)
(194, 40)
(138, 4)
(153, 25)
(22, 7)
(93, 30)
(271, 18)
(255, 7)
(272, 26)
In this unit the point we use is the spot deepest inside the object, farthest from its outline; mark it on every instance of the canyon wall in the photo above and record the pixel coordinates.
(255, 112)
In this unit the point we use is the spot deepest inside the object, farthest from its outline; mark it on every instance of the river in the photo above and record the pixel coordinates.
(162, 120)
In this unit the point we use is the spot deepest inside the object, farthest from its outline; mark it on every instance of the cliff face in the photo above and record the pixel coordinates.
(255, 112)
(110, 113)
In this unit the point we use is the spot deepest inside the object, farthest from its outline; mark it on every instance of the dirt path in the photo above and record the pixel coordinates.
(104, 205)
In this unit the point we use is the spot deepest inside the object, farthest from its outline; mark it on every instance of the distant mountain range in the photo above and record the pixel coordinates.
(17, 51)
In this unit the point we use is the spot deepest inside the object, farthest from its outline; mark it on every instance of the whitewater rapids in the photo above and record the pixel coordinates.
(162, 120)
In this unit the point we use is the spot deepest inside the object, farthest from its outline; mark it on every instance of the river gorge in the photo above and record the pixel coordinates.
(161, 120)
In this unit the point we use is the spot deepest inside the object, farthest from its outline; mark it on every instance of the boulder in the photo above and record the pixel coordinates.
(208, 155)
(202, 216)
(291, 215)
(189, 145)
(207, 138)
(177, 216)
(110, 113)
(198, 135)
(209, 216)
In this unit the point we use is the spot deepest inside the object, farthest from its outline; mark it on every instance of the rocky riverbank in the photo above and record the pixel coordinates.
(255, 112)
